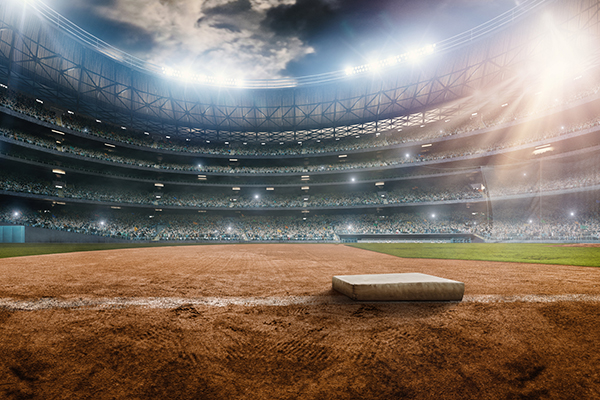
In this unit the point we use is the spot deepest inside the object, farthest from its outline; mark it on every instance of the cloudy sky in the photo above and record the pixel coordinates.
(257, 39)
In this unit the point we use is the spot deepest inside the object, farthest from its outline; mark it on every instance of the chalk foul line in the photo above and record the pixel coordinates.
(47, 303)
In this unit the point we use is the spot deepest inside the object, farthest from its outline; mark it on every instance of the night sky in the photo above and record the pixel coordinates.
(266, 39)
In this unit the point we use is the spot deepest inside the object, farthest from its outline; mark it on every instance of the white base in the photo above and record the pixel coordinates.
(399, 287)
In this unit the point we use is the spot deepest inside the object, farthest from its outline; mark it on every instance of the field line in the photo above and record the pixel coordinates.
(174, 302)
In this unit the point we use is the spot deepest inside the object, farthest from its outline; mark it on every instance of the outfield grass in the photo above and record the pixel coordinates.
(538, 253)
(507, 252)
(32, 249)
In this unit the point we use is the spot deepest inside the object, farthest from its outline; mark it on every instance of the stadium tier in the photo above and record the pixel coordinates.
(486, 145)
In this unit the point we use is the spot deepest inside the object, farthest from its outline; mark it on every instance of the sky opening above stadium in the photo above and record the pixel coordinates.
(274, 39)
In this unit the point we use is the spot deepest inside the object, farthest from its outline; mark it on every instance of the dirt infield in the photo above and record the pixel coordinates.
(261, 322)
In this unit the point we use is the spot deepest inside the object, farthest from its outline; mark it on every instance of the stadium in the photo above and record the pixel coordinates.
(220, 208)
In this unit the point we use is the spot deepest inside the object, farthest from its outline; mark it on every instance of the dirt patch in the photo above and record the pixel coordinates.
(261, 321)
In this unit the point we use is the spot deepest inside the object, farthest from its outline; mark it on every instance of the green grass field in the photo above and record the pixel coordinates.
(507, 252)
(539, 253)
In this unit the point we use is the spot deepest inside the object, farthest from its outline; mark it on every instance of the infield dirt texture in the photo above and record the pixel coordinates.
(261, 322)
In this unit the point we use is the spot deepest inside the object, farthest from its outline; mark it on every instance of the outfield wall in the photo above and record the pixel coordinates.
(28, 234)
(412, 237)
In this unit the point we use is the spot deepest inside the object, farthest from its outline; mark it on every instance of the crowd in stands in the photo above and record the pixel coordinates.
(466, 151)
(203, 227)
(26, 105)
(29, 106)
(13, 181)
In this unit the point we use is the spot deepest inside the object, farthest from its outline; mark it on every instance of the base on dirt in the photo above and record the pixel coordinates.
(399, 287)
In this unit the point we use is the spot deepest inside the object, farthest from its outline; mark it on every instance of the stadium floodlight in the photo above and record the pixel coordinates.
(256, 196)
(530, 221)
(349, 71)
(102, 223)
(407, 155)
(572, 214)
(16, 214)
(187, 76)
(349, 227)
(353, 179)
(432, 215)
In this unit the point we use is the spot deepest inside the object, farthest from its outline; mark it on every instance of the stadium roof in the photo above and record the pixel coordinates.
(43, 54)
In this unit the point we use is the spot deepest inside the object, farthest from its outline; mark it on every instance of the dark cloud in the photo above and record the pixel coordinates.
(228, 26)
(304, 19)
(231, 8)
(353, 32)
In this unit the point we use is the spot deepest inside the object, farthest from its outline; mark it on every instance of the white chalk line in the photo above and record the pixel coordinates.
(175, 302)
